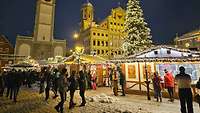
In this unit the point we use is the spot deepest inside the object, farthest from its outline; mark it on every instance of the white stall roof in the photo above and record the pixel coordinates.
(165, 52)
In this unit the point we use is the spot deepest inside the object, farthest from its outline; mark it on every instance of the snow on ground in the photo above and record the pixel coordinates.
(100, 101)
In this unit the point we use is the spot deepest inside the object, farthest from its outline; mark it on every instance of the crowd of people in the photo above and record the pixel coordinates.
(183, 81)
(60, 82)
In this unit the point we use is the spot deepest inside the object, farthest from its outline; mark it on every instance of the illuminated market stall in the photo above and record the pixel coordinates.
(96, 64)
(156, 59)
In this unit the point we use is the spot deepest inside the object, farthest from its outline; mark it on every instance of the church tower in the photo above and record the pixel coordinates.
(87, 15)
(42, 44)
(44, 20)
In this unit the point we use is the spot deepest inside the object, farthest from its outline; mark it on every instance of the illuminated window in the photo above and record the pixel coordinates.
(102, 43)
(102, 51)
(106, 43)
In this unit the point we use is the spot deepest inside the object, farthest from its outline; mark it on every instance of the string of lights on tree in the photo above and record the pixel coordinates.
(138, 34)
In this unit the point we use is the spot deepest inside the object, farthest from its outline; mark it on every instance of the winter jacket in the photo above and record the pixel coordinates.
(169, 80)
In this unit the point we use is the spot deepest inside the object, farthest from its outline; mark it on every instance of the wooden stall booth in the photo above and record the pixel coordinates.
(156, 59)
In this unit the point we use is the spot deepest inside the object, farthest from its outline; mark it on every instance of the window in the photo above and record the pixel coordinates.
(118, 24)
(111, 23)
(106, 43)
(106, 35)
(98, 43)
(94, 42)
(155, 52)
(119, 52)
(102, 51)
(102, 43)
(98, 51)
(98, 34)
(94, 33)
(102, 34)
(43, 38)
(114, 23)
(168, 51)
(106, 51)
(121, 24)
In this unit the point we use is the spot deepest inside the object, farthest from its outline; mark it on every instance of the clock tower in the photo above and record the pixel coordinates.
(42, 44)
(44, 20)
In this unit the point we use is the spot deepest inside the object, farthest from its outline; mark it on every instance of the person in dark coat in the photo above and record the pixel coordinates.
(4, 82)
(82, 87)
(10, 82)
(48, 83)
(62, 88)
(121, 80)
(1, 84)
(17, 79)
(197, 97)
(184, 91)
(56, 75)
(72, 89)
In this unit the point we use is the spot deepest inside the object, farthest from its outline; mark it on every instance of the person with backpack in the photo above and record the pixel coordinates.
(184, 91)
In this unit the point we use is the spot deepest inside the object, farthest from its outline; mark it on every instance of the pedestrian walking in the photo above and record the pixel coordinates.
(2, 84)
(62, 88)
(82, 87)
(47, 82)
(110, 74)
(169, 84)
(72, 89)
(56, 75)
(157, 86)
(197, 96)
(184, 91)
(115, 83)
(122, 80)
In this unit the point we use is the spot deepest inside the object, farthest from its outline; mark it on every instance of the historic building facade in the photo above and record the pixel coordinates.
(6, 50)
(42, 44)
(105, 38)
(189, 40)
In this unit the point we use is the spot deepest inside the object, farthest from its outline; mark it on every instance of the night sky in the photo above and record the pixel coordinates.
(164, 17)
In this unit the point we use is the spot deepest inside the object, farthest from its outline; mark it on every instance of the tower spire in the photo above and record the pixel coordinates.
(119, 4)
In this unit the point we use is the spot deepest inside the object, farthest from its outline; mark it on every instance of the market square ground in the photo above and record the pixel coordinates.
(29, 101)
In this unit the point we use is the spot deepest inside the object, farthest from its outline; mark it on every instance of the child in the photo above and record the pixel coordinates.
(157, 86)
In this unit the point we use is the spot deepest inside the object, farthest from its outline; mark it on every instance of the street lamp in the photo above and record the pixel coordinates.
(78, 52)
(147, 81)
(76, 35)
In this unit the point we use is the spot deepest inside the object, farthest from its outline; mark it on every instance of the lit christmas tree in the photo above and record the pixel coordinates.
(138, 35)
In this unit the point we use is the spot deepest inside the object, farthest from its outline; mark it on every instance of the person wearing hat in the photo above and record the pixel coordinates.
(169, 84)
(184, 91)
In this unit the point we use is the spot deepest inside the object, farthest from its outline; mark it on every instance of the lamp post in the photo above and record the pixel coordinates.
(147, 81)
(78, 52)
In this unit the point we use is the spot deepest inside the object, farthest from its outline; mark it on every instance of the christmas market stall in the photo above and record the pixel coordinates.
(156, 59)
(96, 64)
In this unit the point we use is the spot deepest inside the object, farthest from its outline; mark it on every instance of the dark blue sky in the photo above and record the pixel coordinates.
(165, 17)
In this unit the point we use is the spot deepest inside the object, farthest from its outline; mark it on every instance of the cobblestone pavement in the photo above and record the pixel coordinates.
(29, 101)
